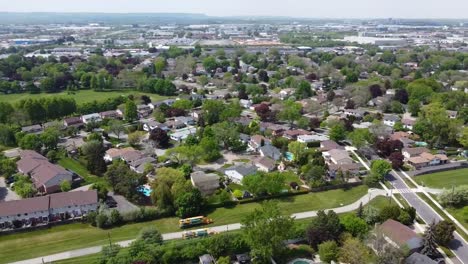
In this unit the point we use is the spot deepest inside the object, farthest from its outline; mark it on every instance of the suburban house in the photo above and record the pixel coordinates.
(329, 145)
(400, 235)
(270, 152)
(186, 120)
(413, 152)
(390, 120)
(408, 123)
(207, 183)
(311, 138)
(132, 156)
(294, 133)
(183, 133)
(91, 118)
(265, 164)
(337, 156)
(144, 110)
(34, 129)
(351, 169)
(43, 209)
(427, 159)
(139, 165)
(112, 114)
(358, 113)
(150, 125)
(45, 176)
(116, 154)
(403, 137)
(73, 121)
(168, 102)
(238, 172)
(256, 141)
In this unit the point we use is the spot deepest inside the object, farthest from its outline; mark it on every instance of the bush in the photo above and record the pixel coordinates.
(328, 251)
(101, 221)
(115, 218)
(457, 197)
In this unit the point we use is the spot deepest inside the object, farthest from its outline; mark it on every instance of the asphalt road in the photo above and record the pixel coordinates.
(459, 246)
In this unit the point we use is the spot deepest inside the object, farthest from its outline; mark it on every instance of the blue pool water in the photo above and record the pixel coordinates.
(145, 190)
(289, 156)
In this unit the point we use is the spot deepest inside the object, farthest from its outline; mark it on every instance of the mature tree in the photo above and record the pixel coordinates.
(159, 137)
(6, 110)
(380, 168)
(291, 112)
(375, 90)
(130, 112)
(435, 127)
(354, 251)
(94, 153)
(389, 212)
(31, 141)
(328, 251)
(429, 242)
(323, 228)
(210, 64)
(396, 158)
(183, 104)
(189, 204)
(360, 137)
(337, 132)
(226, 133)
(463, 139)
(7, 136)
(263, 111)
(190, 154)
(304, 90)
(163, 196)
(356, 226)
(387, 146)
(443, 232)
(212, 110)
(159, 65)
(116, 127)
(265, 230)
(401, 95)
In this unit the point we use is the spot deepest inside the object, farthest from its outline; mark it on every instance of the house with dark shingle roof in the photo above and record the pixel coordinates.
(400, 235)
(45, 176)
(238, 172)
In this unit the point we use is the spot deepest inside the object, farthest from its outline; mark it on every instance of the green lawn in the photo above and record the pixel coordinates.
(458, 214)
(80, 97)
(445, 179)
(81, 170)
(378, 202)
(20, 246)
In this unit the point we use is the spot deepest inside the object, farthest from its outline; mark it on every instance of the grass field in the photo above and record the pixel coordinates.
(20, 246)
(80, 97)
(78, 168)
(445, 179)
(378, 202)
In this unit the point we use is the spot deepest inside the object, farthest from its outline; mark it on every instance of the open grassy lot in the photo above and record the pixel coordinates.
(82, 96)
(20, 246)
(81, 170)
(445, 179)
(378, 202)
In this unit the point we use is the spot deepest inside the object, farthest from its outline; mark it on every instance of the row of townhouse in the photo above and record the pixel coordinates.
(49, 208)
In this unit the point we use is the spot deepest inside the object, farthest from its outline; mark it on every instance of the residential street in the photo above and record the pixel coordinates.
(458, 245)
(178, 235)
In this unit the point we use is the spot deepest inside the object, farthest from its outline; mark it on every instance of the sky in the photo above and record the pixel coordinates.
(289, 8)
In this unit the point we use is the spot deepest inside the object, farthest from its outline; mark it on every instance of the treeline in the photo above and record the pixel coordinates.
(36, 111)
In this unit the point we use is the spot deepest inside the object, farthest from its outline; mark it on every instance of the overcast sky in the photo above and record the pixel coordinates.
(292, 8)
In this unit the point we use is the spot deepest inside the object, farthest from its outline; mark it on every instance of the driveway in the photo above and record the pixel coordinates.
(123, 205)
(6, 194)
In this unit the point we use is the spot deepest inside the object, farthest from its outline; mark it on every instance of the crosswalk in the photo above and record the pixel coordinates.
(405, 190)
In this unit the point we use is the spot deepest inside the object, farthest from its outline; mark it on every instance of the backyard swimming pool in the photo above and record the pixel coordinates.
(145, 190)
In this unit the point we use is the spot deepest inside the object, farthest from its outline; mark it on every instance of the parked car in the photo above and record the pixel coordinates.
(110, 202)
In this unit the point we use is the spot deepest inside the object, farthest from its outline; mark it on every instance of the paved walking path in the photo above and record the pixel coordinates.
(178, 235)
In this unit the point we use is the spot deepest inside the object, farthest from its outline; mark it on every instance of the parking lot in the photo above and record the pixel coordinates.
(5, 193)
